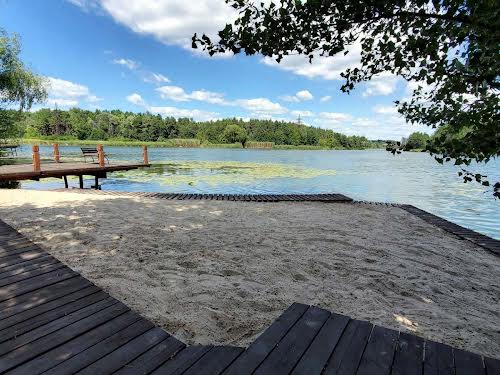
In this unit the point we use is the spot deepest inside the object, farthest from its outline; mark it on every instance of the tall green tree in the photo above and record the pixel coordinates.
(448, 50)
(235, 134)
(18, 85)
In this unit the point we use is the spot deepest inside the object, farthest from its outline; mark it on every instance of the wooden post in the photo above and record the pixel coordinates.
(36, 158)
(100, 155)
(80, 180)
(56, 152)
(145, 154)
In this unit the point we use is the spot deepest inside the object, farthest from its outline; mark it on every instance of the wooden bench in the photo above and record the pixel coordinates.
(91, 152)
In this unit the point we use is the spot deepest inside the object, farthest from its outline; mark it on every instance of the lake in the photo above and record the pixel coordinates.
(372, 175)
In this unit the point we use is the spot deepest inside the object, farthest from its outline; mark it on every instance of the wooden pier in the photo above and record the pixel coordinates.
(54, 321)
(58, 169)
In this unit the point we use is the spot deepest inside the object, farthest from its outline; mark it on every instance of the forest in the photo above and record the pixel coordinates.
(79, 124)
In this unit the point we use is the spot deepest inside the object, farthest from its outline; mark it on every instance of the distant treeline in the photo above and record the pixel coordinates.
(78, 124)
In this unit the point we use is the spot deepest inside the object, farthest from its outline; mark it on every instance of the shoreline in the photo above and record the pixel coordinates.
(178, 143)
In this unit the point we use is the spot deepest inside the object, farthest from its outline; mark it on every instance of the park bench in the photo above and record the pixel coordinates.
(91, 152)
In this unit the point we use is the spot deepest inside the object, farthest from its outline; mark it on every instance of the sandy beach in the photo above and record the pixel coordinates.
(215, 272)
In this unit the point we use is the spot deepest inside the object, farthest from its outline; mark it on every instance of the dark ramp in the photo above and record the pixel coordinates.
(54, 321)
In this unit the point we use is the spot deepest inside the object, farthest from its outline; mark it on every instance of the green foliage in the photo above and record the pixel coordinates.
(18, 85)
(417, 141)
(78, 124)
(235, 134)
(447, 50)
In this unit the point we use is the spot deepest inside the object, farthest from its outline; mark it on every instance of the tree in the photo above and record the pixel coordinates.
(447, 51)
(234, 133)
(18, 85)
(417, 140)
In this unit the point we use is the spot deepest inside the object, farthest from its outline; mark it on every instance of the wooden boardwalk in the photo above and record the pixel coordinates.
(324, 197)
(18, 172)
(479, 239)
(54, 321)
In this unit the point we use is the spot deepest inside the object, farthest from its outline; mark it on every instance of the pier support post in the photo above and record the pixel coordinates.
(65, 181)
(36, 158)
(100, 155)
(80, 178)
(56, 152)
(145, 154)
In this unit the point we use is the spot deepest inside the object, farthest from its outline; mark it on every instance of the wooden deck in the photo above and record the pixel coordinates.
(54, 321)
(18, 172)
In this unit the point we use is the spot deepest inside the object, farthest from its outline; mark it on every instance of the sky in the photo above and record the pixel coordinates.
(137, 56)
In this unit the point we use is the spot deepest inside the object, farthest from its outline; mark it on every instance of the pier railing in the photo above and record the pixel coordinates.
(36, 159)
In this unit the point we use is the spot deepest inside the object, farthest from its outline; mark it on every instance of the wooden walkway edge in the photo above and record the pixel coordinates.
(54, 321)
(479, 239)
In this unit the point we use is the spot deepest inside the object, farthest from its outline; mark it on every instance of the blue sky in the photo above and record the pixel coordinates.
(116, 54)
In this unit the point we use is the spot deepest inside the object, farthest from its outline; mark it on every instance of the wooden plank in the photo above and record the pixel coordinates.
(34, 265)
(50, 341)
(249, 360)
(17, 249)
(49, 316)
(408, 359)
(30, 274)
(316, 356)
(54, 326)
(41, 296)
(103, 348)
(293, 345)
(492, 366)
(347, 355)
(467, 363)
(438, 359)
(40, 309)
(73, 347)
(126, 353)
(379, 352)
(37, 282)
(19, 258)
(215, 361)
(153, 358)
(182, 361)
(26, 263)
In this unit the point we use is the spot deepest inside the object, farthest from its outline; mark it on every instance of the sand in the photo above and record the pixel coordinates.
(216, 272)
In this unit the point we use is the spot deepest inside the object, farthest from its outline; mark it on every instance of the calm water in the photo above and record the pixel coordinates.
(374, 175)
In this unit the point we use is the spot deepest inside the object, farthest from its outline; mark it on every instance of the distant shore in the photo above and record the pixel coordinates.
(175, 143)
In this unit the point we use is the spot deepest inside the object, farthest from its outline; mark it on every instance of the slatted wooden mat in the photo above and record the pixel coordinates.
(54, 321)
(324, 197)
(479, 239)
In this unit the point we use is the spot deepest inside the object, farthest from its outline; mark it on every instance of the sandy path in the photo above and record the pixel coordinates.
(220, 272)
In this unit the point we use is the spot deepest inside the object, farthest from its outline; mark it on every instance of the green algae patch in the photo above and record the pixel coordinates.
(219, 172)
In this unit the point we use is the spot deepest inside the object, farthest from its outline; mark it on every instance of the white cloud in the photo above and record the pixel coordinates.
(181, 112)
(261, 106)
(383, 84)
(328, 68)
(300, 96)
(136, 99)
(129, 64)
(302, 113)
(384, 125)
(157, 78)
(172, 22)
(385, 109)
(62, 88)
(64, 93)
(61, 102)
(325, 98)
(179, 95)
